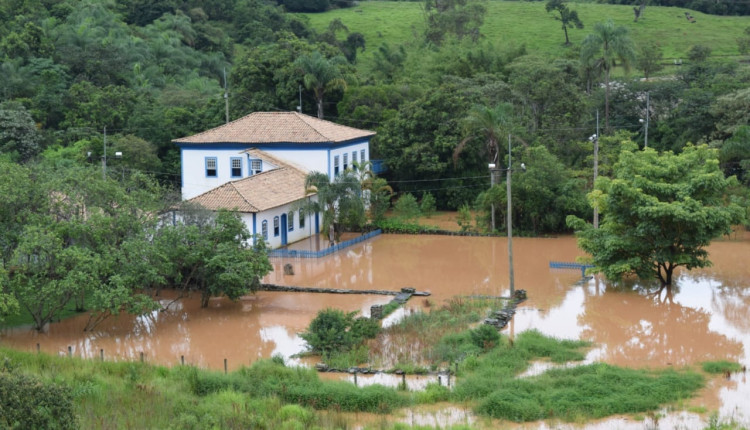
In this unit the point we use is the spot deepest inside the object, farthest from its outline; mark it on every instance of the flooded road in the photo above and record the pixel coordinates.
(706, 316)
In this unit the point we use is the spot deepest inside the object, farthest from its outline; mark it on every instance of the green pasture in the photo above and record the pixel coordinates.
(510, 23)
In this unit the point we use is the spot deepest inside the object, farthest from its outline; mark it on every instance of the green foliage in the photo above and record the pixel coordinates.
(568, 18)
(28, 403)
(649, 58)
(18, 133)
(321, 75)
(591, 391)
(406, 209)
(390, 225)
(720, 366)
(464, 218)
(660, 211)
(333, 330)
(559, 351)
(459, 18)
(427, 206)
(485, 337)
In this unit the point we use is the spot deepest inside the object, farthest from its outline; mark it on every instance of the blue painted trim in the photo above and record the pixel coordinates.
(231, 169)
(205, 166)
(290, 221)
(302, 220)
(276, 222)
(329, 164)
(265, 146)
(293, 253)
(255, 231)
(182, 171)
(283, 230)
(264, 234)
(317, 222)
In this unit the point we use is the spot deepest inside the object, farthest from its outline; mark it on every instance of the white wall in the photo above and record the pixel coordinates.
(194, 180)
(292, 236)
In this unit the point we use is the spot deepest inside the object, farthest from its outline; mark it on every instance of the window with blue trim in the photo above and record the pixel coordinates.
(301, 218)
(275, 226)
(264, 229)
(236, 164)
(362, 156)
(346, 161)
(354, 160)
(336, 165)
(211, 171)
(290, 221)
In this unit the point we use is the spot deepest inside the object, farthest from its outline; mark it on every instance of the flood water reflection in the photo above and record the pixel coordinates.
(705, 317)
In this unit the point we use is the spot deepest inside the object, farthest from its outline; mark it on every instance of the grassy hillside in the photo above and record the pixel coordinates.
(514, 23)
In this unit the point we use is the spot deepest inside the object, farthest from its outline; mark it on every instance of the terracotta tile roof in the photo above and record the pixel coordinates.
(278, 127)
(256, 193)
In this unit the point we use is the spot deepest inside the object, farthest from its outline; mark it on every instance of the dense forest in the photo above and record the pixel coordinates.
(81, 75)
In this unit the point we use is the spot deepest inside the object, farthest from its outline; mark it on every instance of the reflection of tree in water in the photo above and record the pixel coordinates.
(732, 300)
(643, 326)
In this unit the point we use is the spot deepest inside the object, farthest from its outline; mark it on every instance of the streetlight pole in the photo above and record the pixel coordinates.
(510, 219)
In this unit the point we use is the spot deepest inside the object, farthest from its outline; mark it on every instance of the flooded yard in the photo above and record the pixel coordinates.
(705, 317)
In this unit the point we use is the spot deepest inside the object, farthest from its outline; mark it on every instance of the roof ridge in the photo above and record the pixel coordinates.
(237, 190)
(302, 117)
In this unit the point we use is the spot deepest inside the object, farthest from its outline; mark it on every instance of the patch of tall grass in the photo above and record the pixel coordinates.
(720, 366)
(264, 395)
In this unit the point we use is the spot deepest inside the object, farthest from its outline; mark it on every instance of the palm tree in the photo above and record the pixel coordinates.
(602, 49)
(339, 201)
(490, 124)
(321, 74)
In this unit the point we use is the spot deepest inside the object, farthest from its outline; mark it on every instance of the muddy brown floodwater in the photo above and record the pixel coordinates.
(705, 317)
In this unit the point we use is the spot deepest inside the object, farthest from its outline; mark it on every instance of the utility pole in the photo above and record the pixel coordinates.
(226, 97)
(299, 106)
(596, 167)
(648, 110)
(104, 157)
(510, 220)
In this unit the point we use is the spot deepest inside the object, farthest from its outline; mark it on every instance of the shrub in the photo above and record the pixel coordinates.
(406, 208)
(485, 337)
(464, 218)
(333, 330)
(427, 205)
(28, 403)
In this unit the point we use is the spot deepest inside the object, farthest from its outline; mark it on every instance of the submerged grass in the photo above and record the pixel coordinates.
(720, 366)
(571, 394)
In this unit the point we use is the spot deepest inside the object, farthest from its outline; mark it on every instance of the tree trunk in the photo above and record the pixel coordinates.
(320, 108)
(606, 99)
(565, 29)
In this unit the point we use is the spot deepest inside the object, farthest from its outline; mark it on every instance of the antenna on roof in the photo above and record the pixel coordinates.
(299, 106)
(226, 96)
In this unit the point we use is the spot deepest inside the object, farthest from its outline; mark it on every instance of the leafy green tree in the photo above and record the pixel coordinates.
(210, 254)
(19, 136)
(649, 58)
(734, 155)
(568, 18)
(406, 208)
(427, 205)
(660, 211)
(743, 42)
(389, 61)
(29, 403)
(460, 18)
(603, 48)
(379, 195)
(321, 75)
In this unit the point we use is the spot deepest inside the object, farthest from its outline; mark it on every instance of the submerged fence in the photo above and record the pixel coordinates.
(567, 265)
(295, 253)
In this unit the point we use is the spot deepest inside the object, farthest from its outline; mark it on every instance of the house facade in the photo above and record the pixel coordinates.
(257, 165)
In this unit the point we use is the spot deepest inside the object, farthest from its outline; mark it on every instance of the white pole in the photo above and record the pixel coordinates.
(596, 167)
(510, 220)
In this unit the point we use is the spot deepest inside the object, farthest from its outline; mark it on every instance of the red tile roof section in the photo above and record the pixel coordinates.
(278, 127)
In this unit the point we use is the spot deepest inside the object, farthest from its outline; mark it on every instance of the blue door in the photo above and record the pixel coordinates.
(317, 224)
(283, 228)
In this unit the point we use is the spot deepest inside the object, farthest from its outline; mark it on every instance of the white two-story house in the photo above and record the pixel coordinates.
(257, 166)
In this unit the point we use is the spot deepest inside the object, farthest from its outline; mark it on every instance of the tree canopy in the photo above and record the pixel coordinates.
(660, 211)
